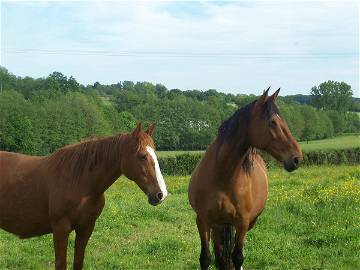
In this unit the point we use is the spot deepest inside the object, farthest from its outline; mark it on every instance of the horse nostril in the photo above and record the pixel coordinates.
(296, 161)
(159, 195)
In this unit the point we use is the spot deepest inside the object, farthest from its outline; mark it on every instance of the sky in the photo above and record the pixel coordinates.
(238, 47)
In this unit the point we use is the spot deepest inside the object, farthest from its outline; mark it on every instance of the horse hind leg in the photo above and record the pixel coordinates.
(223, 239)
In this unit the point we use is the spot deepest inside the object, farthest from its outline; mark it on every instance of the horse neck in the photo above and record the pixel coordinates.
(230, 157)
(108, 170)
(94, 166)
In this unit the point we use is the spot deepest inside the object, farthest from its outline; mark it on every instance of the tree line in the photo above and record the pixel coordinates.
(38, 116)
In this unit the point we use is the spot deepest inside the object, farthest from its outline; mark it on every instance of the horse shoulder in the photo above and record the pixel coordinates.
(201, 181)
(259, 187)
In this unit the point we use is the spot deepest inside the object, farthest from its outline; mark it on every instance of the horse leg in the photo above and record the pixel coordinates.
(83, 234)
(205, 257)
(238, 256)
(218, 247)
(252, 223)
(222, 255)
(61, 230)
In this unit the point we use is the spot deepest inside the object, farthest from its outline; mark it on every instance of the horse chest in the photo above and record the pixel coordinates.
(87, 208)
(224, 209)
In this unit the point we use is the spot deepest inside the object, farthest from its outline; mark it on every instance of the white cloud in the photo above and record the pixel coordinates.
(295, 32)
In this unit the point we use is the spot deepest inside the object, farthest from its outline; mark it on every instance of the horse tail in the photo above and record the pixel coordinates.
(224, 242)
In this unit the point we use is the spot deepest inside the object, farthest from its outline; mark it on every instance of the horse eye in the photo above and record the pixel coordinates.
(273, 123)
(143, 157)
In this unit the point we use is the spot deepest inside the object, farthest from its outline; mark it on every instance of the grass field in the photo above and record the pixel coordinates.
(312, 221)
(340, 142)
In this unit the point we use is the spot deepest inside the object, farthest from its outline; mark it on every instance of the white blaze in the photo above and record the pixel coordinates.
(159, 176)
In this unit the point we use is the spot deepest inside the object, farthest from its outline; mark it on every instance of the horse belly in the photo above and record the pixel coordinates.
(25, 229)
(24, 210)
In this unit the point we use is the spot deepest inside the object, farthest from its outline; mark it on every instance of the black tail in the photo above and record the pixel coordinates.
(224, 241)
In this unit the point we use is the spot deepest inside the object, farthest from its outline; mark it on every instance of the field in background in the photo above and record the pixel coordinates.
(340, 142)
(178, 152)
(311, 222)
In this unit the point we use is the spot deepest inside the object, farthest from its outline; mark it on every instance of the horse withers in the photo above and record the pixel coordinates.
(64, 191)
(229, 187)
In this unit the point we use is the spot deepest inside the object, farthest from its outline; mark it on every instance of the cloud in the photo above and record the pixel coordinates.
(248, 44)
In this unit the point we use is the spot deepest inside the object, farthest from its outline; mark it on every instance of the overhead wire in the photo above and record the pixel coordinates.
(184, 54)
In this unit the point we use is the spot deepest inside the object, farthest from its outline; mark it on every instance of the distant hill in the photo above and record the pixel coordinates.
(306, 99)
(301, 99)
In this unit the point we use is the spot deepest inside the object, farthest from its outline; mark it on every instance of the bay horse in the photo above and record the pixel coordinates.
(64, 191)
(228, 188)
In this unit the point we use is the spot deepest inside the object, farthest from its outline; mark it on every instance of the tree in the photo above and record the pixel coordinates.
(338, 121)
(332, 95)
(7, 80)
(17, 133)
(294, 118)
(311, 123)
(352, 122)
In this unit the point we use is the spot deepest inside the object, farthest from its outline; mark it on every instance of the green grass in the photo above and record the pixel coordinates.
(177, 152)
(311, 221)
(340, 142)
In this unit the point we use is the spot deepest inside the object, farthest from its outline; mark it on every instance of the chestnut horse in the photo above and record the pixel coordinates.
(65, 190)
(228, 188)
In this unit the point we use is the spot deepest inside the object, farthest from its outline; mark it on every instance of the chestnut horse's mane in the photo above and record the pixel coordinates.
(76, 159)
(234, 131)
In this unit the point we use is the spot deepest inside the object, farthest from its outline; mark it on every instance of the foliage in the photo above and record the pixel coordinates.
(17, 134)
(186, 163)
(69, 119)
(332, 95)
(43, 125)
(57, 110)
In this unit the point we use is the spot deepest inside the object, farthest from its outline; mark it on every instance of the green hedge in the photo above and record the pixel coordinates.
(184, 164)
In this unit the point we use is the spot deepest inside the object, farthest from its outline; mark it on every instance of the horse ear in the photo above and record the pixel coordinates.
(261, 101)
(274, 96)
(150, 129)
(137, 130)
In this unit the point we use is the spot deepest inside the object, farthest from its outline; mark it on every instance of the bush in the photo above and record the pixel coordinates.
(180, 164)
(184, 164)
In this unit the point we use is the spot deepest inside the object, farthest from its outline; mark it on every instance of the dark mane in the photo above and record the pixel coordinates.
(77, 158)
(234, 131)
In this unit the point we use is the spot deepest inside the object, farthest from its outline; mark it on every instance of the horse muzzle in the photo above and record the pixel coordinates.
(155, 199)
(292, 164)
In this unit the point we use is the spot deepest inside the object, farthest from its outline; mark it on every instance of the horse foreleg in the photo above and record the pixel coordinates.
(223, 238)
(83, 234)
(238, 256)
(61, 230)
(205, 257)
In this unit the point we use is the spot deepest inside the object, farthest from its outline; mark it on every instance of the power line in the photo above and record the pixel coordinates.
(173, 53)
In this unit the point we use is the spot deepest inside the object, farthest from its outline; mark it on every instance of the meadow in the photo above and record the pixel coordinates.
(340, 142)
(311, 221)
